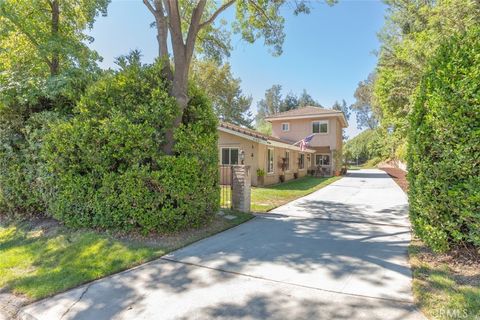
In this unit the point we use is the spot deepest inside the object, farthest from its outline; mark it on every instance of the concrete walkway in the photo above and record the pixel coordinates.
(339, 253)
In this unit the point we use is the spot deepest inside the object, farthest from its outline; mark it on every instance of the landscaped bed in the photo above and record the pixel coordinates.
(40, 258)
(267, 198)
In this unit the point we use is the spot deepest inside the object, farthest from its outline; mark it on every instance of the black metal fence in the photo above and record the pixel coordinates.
(225, 186)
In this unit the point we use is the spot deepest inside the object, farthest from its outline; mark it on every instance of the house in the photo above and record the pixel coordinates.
(280, 155)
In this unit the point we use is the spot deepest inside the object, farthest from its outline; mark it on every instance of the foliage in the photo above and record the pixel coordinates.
(412, 33)
(366, 146)
(342, 107)
(367, 116)
(107, 165)
(444, 146)
(23, 176)
(273, 103)
(229, 103)
(260, 172)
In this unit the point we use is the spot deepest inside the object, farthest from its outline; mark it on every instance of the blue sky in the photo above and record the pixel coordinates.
(327, 52)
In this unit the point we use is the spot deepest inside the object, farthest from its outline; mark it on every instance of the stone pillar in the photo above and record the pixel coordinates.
(241, 181)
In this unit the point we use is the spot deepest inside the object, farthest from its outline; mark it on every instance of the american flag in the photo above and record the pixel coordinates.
(305, 141)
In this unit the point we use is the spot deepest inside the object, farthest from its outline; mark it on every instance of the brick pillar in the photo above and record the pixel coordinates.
(241, 181)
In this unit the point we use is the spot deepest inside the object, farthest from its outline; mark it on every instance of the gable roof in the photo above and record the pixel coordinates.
(257, 136)
(308, 112)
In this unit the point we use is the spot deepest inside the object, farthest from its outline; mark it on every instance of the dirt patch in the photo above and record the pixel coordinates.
(398, 175)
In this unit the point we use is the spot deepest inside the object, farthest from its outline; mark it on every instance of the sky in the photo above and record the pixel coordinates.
(326, 52)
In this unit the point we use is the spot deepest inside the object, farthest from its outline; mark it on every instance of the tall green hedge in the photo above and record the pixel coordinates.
(106, 163)
(444, 147)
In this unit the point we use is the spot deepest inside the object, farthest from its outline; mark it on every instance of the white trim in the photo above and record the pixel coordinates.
(304, 158)
(320, 122)
(288, 126)
(324, 154)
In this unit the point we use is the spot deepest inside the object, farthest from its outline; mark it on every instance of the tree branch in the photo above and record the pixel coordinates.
(222, 8)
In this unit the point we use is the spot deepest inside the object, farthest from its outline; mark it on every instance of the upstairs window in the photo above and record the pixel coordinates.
(229, 156)
(285, 126)
(320, 126)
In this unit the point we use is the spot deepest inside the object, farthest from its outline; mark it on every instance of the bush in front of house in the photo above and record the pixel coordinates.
(107, 165)
(444, 147)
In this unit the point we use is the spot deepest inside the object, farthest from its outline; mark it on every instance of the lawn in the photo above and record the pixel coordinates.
(41, 259)
(444, 286)
(267, 198)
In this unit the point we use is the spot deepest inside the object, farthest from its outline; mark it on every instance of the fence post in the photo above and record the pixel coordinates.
(241, 182)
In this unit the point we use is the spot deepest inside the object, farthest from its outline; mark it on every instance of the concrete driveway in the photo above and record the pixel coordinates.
(339, 253)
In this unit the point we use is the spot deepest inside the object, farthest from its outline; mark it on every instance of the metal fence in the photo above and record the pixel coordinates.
(225, 186)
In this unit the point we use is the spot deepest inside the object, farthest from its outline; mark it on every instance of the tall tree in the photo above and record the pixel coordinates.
(44, 38)
(306, 99)
(223, 89)
(289, 103)
(342, 107)
(186, 22)
(366, 115)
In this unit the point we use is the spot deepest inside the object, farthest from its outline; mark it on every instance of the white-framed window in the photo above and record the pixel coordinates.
(229, 156)
(322, 159)
(287, 160)
(301, 161)
(285, 126)
(320, 126)
(270, 160)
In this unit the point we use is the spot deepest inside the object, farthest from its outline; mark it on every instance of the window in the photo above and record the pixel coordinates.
(301, 161)
(270, 160)
(287, 160)
(322, 160)
(320, 126)
(285, 126)
(229, 156)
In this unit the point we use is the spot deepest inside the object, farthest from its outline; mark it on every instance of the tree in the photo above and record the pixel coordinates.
(42, 44)
(342, 107)
(270, 104)
(229, 103)
(289, 103)
(187, 22)
(307, 100)
(363, 106)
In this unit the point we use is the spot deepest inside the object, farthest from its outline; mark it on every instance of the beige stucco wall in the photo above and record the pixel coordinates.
(301, 128)
(249, 147)
(279, 153)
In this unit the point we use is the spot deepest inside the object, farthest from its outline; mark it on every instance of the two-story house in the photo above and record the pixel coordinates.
(282, 154)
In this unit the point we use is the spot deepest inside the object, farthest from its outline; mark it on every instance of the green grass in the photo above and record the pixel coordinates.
(267, 198)
(38, 262)
(439, 291)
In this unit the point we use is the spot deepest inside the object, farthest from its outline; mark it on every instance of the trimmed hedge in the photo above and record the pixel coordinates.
(107, 165)
(444, 147)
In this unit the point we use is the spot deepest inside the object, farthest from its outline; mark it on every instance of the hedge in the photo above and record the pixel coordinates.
(444, 147)
(107, 166)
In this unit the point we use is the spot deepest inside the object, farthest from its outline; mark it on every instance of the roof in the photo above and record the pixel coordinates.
(232, 128)
(307, 112)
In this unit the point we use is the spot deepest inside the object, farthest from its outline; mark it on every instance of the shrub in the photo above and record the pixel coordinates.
(107, 165)
(444, 147)
(22, 172)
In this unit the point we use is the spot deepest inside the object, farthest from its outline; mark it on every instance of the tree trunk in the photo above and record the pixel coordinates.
(55, 61)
